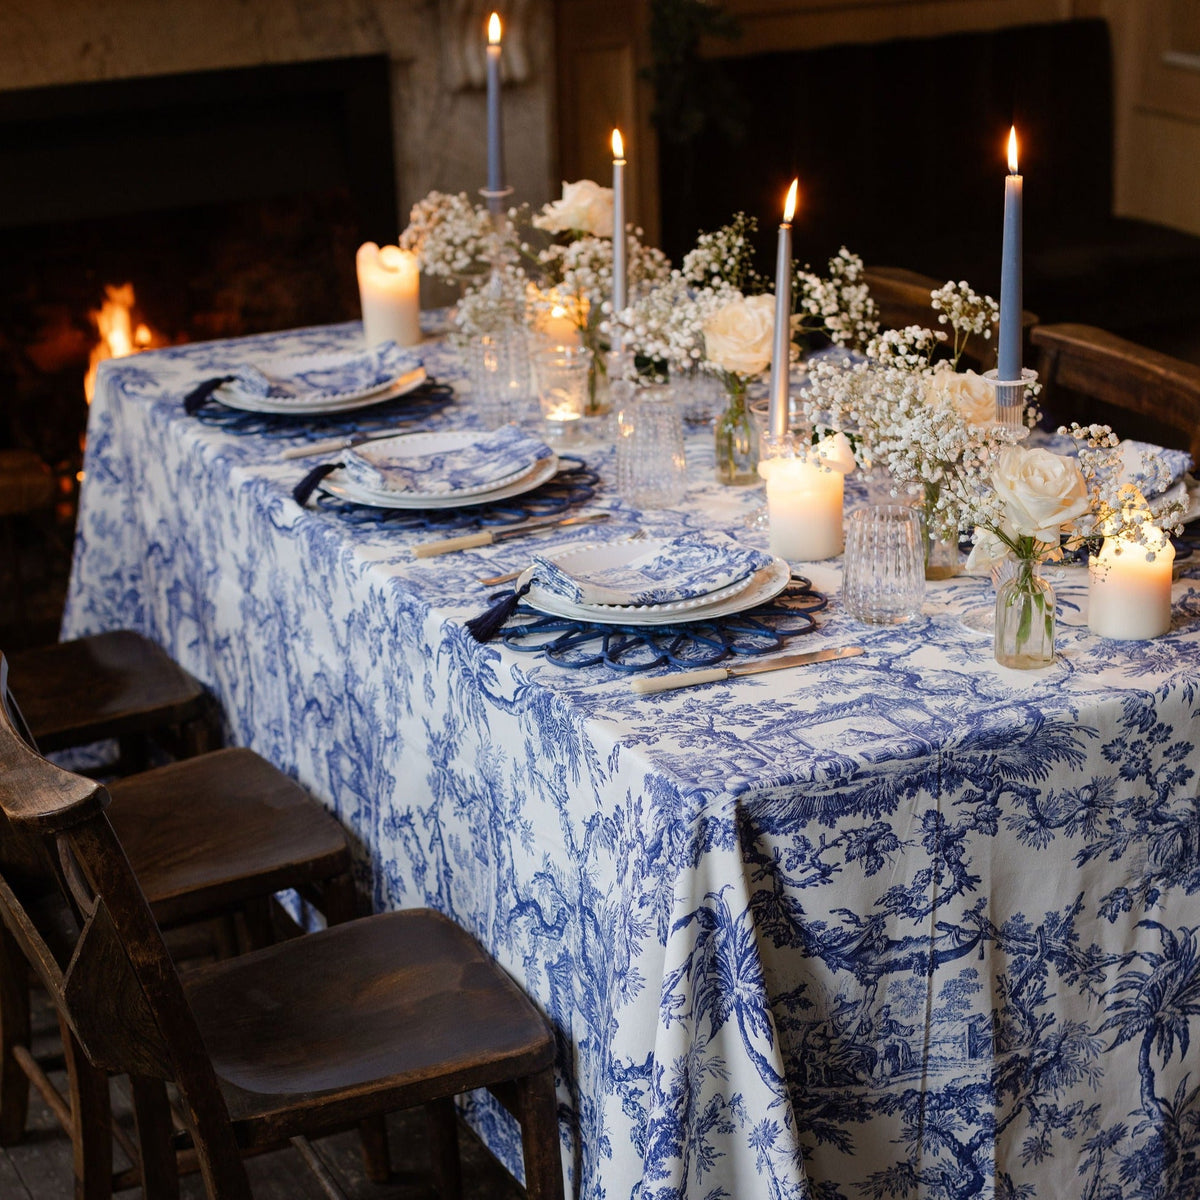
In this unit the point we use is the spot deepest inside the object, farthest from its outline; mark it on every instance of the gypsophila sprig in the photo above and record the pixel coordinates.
(838, 305)
(451, 237)
(493, 304)
(725, 258)
(966, 311)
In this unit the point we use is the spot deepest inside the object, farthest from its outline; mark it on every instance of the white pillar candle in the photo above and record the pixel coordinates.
(1129, 593)
(804, 509)
(389, 287)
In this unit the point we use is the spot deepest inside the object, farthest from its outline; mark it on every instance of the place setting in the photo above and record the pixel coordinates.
(687, 601)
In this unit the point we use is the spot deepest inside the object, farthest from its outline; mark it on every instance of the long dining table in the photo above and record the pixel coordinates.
(909, 924)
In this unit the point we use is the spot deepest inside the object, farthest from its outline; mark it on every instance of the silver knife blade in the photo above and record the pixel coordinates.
(797, 660)
(502, 535)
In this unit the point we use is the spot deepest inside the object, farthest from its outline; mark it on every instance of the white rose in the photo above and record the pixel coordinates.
(973, 398)
(987, 552)
(738, 336)
(585, 207)
(1041, 491)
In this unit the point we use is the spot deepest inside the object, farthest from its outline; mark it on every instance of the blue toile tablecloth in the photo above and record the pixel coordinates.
(905, 925)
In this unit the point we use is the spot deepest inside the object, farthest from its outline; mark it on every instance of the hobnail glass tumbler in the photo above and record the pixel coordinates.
(498, 367)
(883, 577)
(651, 468)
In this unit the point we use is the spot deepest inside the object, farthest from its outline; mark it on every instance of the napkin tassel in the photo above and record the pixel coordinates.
(489, 623)
(199, 395)
(308, 485)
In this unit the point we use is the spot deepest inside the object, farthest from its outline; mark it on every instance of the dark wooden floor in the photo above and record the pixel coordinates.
(39, 1168)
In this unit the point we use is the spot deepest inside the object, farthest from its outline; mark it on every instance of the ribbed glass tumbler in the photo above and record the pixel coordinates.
(883, 578)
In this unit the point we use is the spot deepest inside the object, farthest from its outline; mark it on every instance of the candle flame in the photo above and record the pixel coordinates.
(494, 29)
(1012, 150)
(618, 145)
(789, 205)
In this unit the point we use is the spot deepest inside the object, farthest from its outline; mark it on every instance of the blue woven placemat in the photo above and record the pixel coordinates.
(418, 405)
(631, 648)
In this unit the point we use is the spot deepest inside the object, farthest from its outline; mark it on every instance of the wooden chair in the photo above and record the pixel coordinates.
(112, 685)
(209, 836)
(300, 1039)
(1161, 393)
(902, 298)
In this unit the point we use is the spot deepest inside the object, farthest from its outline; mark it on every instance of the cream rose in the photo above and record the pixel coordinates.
(973, 398)
(738, 336)
(585, 207)
(1041, 491)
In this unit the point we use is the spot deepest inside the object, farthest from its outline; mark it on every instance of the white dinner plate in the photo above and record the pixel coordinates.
(764, 585)
(400, 386)
(337, 485)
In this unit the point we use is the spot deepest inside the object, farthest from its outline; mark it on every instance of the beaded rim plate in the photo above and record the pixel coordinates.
(764, 585)
(444, 441)
(388, 390)
(337, 485)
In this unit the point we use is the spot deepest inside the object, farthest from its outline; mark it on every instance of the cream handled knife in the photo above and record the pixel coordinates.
(487, 537)
(681, 679)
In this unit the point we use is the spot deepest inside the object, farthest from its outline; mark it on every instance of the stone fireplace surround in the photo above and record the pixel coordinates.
(437, 111)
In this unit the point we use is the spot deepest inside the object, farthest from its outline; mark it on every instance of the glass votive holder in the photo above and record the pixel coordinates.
(1012, 396)
(563, 374)
(651, 466)
(498, 368)
(883, 576)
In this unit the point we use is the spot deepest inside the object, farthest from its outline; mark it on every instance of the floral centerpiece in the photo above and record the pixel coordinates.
(914, 415)
(545, 269)
(715, 314)
(1032, 505)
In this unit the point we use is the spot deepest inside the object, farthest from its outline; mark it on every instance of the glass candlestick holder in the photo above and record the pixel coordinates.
(1012, 396)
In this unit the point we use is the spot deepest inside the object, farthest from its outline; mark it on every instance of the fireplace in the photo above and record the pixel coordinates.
(232, 201)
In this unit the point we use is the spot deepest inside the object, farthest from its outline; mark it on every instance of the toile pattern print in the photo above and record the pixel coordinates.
(903, 926)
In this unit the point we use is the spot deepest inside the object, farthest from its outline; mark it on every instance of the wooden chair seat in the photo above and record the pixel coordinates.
(111, 685)
(208, 833)
(404, 1006)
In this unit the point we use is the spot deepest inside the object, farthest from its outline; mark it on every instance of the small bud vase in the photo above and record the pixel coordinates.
(1025, 618)
(736, 438)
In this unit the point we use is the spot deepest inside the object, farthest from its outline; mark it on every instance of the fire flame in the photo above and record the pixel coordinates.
(118, 335)
(789, 205)
(493, 30)
(618, 145)
(1012, 150)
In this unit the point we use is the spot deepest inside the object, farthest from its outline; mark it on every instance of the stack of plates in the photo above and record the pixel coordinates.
(328, 382)
(654, 581)
(442, 470)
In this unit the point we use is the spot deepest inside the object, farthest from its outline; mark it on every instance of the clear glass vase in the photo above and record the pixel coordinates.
(1025, 618)
(599, 398)
(942, 559)
(736, 438)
